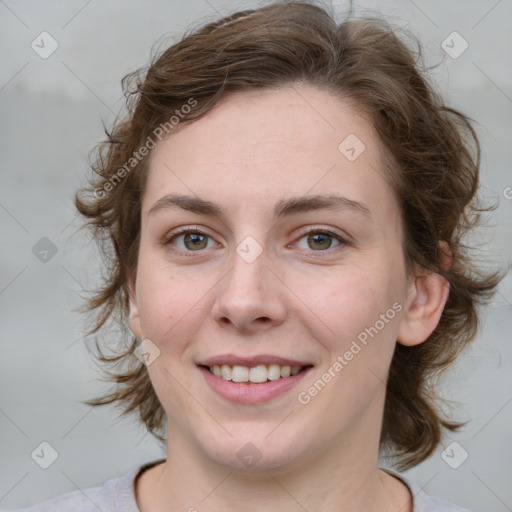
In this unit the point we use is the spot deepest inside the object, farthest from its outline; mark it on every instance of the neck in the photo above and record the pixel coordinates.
(344, 477)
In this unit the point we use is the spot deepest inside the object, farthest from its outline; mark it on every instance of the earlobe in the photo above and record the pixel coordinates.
(424, 308)
(134, 319)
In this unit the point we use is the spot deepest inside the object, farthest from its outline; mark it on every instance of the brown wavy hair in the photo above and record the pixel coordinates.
(432, 153)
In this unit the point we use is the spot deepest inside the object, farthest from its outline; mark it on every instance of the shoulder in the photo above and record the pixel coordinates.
(116, 494)
(421, 501)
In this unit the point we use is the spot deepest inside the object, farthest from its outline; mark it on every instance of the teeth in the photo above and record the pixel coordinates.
(285, 371)
(255, 374)
(258, 374)
(274, 372)
(240, 374)
(225, 372)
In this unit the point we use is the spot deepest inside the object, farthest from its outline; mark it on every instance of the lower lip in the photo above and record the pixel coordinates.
(248, 393)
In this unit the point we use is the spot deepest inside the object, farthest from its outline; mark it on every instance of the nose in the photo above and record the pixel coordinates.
(251, 297)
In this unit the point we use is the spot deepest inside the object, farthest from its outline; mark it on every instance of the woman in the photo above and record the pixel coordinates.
(281, 214)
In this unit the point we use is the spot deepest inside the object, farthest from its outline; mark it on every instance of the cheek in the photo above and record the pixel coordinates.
(361, 307)
(165, 299)
(362, 310)
(351, 298)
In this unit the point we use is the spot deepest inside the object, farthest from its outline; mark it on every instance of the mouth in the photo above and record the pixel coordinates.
(259, 374)
(252, 381)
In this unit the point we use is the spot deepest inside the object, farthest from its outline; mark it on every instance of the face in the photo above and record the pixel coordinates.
(293, 258)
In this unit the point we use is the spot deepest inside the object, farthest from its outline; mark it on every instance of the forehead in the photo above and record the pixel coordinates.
(260, 146)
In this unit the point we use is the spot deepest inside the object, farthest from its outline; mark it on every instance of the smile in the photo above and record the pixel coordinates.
(256, 374)
(254, 382)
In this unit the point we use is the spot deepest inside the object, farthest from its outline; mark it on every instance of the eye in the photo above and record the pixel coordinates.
(192, 240)
(320, 239)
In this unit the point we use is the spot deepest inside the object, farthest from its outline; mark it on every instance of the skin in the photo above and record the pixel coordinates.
(297, 300)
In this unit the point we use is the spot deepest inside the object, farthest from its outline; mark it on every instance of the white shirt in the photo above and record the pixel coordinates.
(118, 495)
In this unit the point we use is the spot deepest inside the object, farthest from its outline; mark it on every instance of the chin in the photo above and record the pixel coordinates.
(256, 453)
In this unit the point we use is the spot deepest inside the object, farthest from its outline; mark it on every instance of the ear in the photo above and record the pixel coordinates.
(425, 303)
(134, 319)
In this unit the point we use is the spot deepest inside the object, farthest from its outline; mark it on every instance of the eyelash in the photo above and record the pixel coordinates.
(316, 230)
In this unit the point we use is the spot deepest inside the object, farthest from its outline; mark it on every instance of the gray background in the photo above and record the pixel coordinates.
(50, 117)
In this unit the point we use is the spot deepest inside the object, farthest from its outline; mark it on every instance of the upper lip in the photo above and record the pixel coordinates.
(250, 361)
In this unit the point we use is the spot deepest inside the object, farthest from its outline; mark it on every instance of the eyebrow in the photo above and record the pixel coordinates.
(283, 208)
